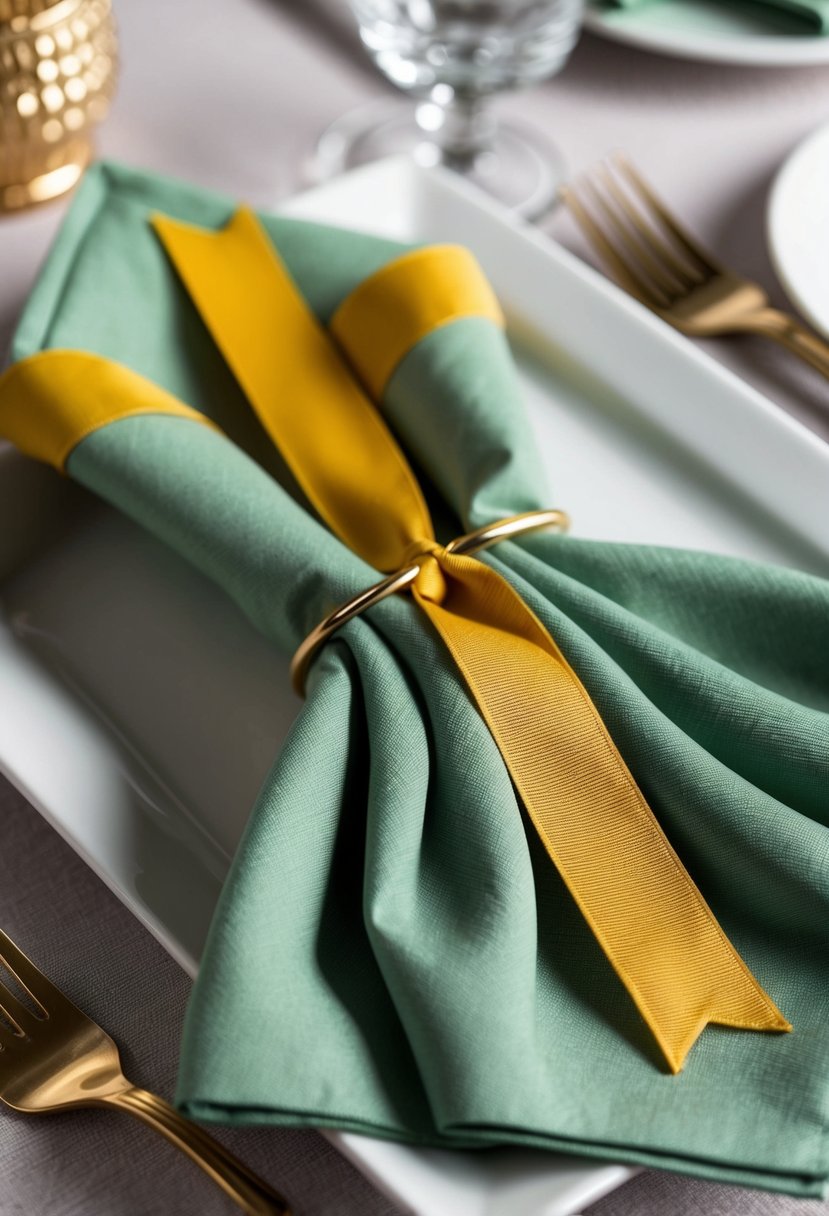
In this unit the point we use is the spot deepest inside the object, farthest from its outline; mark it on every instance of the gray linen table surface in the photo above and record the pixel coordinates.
(232, 96)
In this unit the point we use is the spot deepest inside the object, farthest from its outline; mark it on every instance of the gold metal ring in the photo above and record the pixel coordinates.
(503, 529)
(472, 542)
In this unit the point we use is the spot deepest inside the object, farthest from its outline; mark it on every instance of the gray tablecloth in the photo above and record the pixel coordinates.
(232, 95)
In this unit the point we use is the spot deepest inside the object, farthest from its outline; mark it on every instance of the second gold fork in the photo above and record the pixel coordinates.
(657, 260)
(53, 1057)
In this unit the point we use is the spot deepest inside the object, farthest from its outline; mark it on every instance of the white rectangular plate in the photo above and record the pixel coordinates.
(139, 712)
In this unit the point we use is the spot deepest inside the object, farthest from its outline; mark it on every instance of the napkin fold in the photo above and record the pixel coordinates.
(392, 952)
(802, 16)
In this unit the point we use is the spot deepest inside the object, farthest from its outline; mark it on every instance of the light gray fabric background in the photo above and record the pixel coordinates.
(232, 95)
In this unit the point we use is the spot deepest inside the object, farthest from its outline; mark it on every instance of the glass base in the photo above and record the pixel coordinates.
(518, 166)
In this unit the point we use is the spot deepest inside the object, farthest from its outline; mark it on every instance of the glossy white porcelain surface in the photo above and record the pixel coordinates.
(798, 235)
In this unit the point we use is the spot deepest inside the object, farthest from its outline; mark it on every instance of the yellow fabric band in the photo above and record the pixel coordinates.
(415, 294)
(651, 921)
(54, 399)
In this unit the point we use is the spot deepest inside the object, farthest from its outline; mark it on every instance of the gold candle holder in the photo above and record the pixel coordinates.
(58, 64)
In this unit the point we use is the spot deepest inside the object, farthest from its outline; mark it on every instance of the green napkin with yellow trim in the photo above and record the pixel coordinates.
(795, 16)
(392, 952)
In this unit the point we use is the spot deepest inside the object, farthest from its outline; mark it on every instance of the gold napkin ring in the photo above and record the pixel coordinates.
(472, 542)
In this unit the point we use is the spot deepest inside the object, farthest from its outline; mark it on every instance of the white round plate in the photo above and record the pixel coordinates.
(796, 227)
(709, 30)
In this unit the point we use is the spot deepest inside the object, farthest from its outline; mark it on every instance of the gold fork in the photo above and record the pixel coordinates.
(53, 1057)
(662, 265)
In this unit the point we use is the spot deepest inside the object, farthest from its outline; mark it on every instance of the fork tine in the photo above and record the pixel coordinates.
(14, 1012)
(42, 991)
(630, 280)
(670, 271)
(687, 243)
(11, 1042)
(639, 247)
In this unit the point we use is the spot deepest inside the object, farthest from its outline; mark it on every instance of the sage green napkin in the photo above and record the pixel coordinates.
(796, 16)
(393, 952)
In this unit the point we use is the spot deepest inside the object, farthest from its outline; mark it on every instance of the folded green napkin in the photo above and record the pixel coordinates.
(799, 16)
(393, 952)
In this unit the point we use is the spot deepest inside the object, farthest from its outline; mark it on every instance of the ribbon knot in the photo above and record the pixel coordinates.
(428, 555)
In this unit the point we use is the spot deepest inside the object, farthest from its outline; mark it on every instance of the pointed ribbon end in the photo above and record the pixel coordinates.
(762, 1016)
(188, 238)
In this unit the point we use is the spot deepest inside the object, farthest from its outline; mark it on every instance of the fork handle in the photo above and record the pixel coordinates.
(789, 332)
(244, 1187)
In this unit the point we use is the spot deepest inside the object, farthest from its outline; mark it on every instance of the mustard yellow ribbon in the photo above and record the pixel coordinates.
(651, 921)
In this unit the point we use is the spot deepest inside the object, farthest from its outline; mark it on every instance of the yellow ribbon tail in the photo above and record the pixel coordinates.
(651, 921)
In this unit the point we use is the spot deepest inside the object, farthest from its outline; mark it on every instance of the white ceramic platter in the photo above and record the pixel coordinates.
(140, 712)
(797, 230)
(710, 30)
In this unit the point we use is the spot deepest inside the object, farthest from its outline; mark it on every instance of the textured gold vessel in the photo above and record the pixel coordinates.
(58, 63)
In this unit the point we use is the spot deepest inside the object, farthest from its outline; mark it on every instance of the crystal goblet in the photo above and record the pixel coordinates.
(450, 57)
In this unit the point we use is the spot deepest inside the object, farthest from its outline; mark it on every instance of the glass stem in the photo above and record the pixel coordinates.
(462, 128)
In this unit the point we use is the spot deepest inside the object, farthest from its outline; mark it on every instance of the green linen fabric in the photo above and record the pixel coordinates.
(393, 953)
(795, 16)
